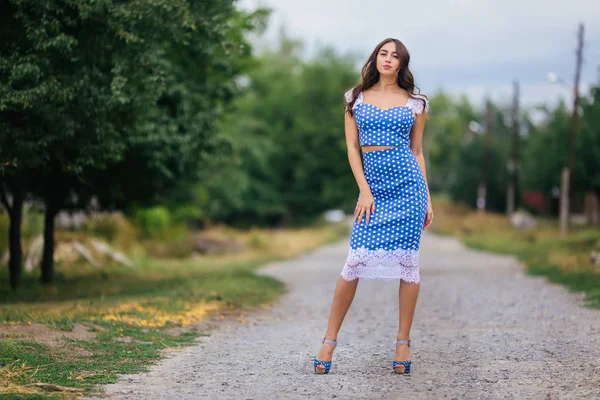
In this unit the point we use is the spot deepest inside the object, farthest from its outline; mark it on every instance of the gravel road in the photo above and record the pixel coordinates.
(482, 330)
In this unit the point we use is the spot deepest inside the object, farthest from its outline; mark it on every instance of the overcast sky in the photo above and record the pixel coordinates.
(476, 47)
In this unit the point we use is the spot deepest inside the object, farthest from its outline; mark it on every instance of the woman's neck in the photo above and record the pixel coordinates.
(387, 84)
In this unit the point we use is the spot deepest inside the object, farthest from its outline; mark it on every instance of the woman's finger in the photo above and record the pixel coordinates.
(428, 220)
(361, 215)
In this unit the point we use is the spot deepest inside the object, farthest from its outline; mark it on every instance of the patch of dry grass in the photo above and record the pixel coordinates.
(16, 372)
(148, 314)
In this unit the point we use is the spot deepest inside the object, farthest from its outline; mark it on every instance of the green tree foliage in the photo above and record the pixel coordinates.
(446, 133)
(73, 75)
(161, 103)
(181, 145)
(457, 160)
(87, 85)
(287, 136)
(546, 150)
(587, 170)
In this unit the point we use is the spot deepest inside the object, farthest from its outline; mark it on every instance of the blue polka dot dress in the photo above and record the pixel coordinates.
(387, 247)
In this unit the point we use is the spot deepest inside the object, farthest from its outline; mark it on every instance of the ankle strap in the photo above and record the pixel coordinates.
(329, 341)
(406, 342)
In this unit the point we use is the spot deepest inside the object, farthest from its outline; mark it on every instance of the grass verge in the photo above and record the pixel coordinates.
(93, 324)
(564, 261)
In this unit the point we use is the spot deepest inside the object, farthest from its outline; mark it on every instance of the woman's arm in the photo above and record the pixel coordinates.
(366, 203)
(416, 145)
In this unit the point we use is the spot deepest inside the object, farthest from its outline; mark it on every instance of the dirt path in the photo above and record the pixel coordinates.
(483, 330)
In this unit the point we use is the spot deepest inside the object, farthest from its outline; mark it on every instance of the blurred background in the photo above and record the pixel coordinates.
(154, 153)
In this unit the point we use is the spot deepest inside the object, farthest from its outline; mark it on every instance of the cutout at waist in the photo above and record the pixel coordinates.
(368, 148)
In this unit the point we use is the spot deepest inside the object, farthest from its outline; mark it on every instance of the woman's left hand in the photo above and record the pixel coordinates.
(428, 217)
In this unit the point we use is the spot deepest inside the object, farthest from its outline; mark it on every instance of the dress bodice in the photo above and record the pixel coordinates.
(386, 127)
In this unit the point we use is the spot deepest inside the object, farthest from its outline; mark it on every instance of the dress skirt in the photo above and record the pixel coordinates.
(388, 246)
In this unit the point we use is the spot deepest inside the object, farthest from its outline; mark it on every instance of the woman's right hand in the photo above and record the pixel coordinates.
(364, 206)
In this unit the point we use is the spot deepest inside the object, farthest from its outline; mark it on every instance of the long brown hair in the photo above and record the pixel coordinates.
(370, 74)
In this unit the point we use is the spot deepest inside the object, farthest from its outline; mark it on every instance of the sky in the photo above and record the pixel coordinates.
(472, 47)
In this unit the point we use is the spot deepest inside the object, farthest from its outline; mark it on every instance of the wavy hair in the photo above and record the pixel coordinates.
(370, 74)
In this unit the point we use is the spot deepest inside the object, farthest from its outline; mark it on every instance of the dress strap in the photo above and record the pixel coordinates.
(417, 104)
(358, 101)
(348, 98)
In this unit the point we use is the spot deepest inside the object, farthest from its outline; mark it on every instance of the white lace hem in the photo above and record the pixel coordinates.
(382, 264)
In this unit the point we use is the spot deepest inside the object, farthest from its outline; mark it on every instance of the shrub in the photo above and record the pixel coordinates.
(154, 221)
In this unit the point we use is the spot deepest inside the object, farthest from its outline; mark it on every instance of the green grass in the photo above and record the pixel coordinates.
(580, 281)
(155, 277)
(536, 255)
(134, 313)
(75, 367)
(181, 292)
(563, 261)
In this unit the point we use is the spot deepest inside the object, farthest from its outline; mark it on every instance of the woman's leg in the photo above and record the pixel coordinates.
(408, 294)
(342, 299)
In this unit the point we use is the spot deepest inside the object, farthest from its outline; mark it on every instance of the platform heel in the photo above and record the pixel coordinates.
(323, 367)
(402, 367)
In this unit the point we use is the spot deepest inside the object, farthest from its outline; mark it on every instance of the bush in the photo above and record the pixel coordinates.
(186, 214)
(154, 221)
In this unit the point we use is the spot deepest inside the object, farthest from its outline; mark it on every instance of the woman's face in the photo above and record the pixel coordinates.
(388, 60)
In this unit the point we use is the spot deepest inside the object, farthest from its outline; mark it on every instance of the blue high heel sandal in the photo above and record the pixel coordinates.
(326, 364)
(402, 367)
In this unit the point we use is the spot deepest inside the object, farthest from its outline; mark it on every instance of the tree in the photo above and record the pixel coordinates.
(183, 148)
(80, 74)
(446, 133)
(544, 153)
(587, 170)
(287, 136)
(457, 160)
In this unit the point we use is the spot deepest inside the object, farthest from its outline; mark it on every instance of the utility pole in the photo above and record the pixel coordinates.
(513, 163)
(482, 189)
(566, 176)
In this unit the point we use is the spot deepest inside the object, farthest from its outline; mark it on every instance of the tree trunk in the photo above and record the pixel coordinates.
(15, 213)
(510, 198)
(16, 252)
(564, 202)
(591, 206)
(50, 212)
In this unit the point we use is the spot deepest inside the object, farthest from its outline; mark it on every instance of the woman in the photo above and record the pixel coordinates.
(385, 118)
